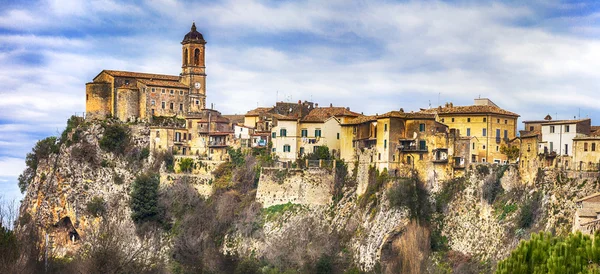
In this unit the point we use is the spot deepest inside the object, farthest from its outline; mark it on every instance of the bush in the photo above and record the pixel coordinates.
(248, 266)
(115, 139)
(144, 198)
(411, 194)
(186, 165)
(236, 156)
(483, 170)
(544, 253)
(72, 123)
(96, 207)
(42, 150)
(529, 211)
(448, 191)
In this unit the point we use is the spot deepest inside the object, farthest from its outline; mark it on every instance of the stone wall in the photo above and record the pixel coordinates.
(128, 104)
(307, 187)
(97, 100)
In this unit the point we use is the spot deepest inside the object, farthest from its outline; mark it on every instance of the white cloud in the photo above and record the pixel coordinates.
(11, 167)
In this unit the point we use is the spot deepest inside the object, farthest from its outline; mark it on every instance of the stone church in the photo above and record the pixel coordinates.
(175, 106)
(140, 96)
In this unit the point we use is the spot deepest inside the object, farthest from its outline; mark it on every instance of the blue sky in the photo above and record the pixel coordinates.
(372, 56)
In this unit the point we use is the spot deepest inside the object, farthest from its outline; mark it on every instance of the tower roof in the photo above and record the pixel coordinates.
(193, 36)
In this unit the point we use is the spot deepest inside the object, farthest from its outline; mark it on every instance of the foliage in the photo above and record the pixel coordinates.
(324, 265)
(223, 175)
(72, 123)
(118, 179)
(321, 153)
(169, 161)
(448, 192)
(411, 194)
(493, 187)
(96, 207)
(341, 179)
(9, 249)
(248, 266)
(42, 150)
(186, 165)
(511, 152)
(482, 170)
(544, 253)
(376, 181)
(529, 211)
(85, 153)
(507, 209)
(115, 138)
(144, 198)
(236, 156)
(272, 212)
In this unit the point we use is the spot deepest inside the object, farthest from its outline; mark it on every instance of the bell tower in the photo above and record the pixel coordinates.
(193, 68)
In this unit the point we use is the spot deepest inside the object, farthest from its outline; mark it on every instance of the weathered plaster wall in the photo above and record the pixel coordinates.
(306, 187)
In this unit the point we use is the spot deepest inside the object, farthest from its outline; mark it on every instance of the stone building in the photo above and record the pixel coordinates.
(492, 126)
(174, 105)
(140, 96)
(587, 216)
(586, 151)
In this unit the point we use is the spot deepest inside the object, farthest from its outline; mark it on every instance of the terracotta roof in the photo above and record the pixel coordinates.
(258, 111)
(162, 83)
(407, 115)
(284, 117)
(526, 134)
(322, 114)
(474, 109)
(562, 122)
(587, 212)
(235, 118)
(118, 73)
(361, 119)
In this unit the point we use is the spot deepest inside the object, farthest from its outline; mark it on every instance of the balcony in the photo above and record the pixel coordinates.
(413, 148)
(217, 144)
(440, 155)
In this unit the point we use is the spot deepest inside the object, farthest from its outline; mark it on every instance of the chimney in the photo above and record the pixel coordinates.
(402, 110)
(330, 105)
(317, 105)
(299, 102)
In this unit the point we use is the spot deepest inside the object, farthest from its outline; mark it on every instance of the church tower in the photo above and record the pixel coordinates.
(193, 68)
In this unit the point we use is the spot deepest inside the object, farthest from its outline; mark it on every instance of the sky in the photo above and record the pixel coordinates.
(535, 58)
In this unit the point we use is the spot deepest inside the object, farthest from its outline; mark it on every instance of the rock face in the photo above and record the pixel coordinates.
(473, 224)
(65, 183)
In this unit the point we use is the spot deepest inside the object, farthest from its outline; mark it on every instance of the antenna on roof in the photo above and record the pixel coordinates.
(429, 103)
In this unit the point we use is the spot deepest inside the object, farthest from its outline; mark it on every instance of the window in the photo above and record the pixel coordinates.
(197, 102)
(153, 90)
(164, 105)
(152, 103)
(171, 106)
(273, 149)
(172, 92)
(551, 129)
(152, 112)
(442, 120)
(506, 122)
(163, 90)
(483, 160)
(484, 120)
(181, 92)
(484, 147)
(468, 132)
(384, 144)
(421, 157)
(497, 133)
(304, 132)
(283, 132)
(338, 135)
(158, 134)
(484, 133)
(408, 159)
(379, 156)
(567, 128)
(585, 146)
(127, 82)
(287, 148)
(385, 127)
(180, 107)
(452, 120)
(505, 134)
(497, 149)
(394, 158)
(318, 132)
(473, 145)
(422, 145)
(593, 146)
(498, 121)
(566, 149)
(273, 135)
(531, 128)
(468, 120)
(354, 130)
(421, 127)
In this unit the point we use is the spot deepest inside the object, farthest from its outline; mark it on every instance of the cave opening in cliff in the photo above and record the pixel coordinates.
(65, 226)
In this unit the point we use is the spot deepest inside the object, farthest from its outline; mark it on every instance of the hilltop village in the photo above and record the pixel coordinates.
(438, 141)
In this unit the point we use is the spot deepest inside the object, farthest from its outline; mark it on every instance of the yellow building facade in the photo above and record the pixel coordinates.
(492, 126)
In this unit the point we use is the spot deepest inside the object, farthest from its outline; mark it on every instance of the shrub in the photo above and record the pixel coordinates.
(115, 139)
(448, 191)
(248, 266)
(118, 179)
(483, 170)
(96, 207)
(42, 150)
(324, 265)
(236, 156)
(186, 165)
(411, 194)
(544, 253)
(529, 211)
(72, 123)
(144, 198)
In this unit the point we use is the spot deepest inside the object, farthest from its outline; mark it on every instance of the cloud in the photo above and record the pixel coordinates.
(11, 167)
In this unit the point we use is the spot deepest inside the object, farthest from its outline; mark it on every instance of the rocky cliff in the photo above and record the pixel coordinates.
(480, 217)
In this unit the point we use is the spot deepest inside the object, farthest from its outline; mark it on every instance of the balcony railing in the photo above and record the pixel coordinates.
(217, 144)
(412, 148)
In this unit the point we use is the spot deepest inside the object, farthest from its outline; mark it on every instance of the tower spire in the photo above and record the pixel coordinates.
(193, 26)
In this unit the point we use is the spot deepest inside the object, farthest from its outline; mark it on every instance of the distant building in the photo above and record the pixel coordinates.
(492, 126)
(587, 216)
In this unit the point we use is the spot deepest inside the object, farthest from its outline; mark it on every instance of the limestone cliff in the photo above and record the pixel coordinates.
(482, 215)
